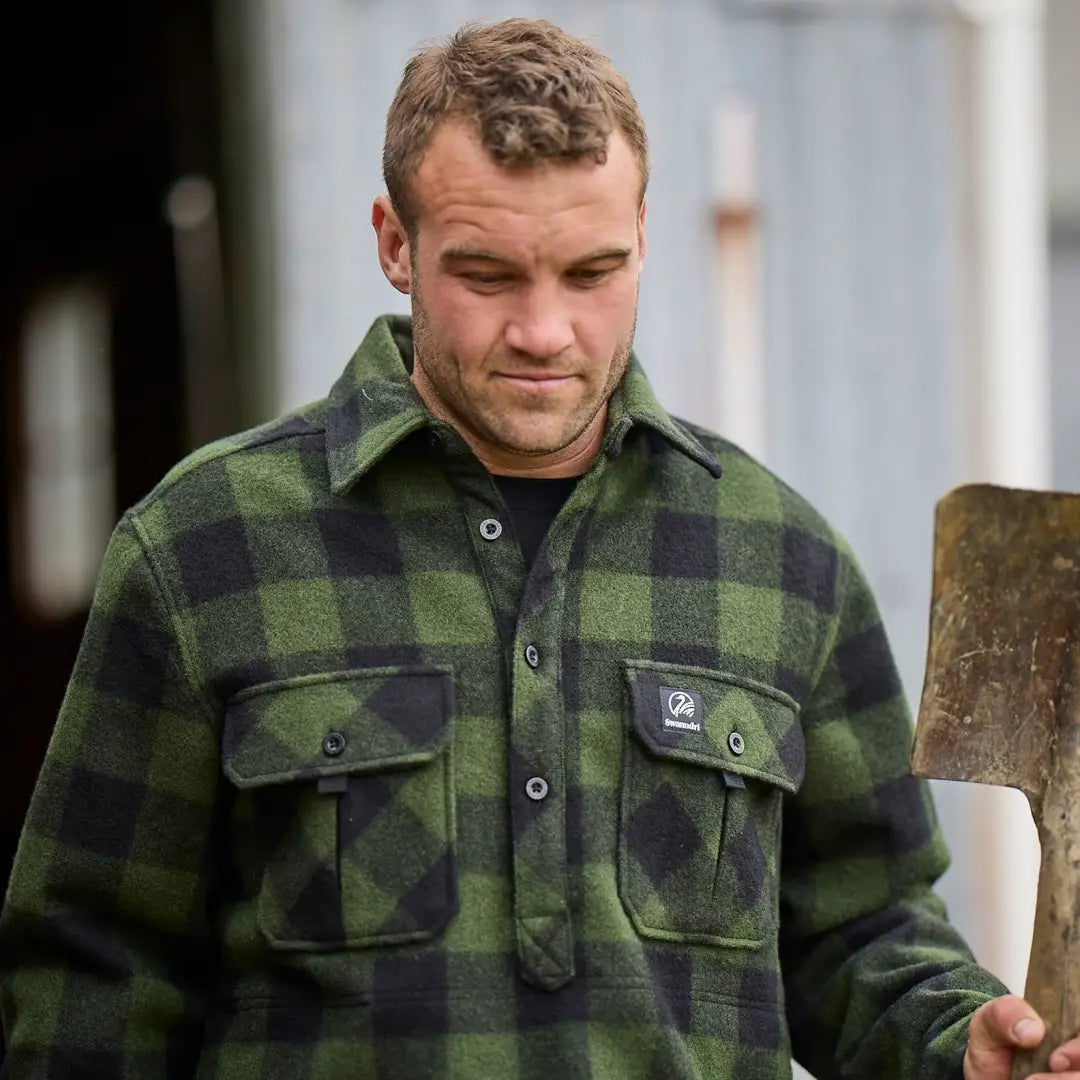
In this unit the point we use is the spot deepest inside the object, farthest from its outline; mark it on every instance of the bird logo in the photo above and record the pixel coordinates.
(681, 704)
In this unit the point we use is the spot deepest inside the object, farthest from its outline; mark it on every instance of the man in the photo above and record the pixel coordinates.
(446, 727)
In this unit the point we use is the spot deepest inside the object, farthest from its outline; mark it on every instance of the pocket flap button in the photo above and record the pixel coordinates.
(334, 744)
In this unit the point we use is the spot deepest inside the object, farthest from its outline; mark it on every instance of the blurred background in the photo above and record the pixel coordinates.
(864, 265)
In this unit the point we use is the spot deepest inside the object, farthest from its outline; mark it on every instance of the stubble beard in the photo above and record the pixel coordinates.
(492, 425)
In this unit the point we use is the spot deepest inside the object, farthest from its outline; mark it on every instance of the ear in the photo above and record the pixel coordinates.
(395, 255)
(641, 235)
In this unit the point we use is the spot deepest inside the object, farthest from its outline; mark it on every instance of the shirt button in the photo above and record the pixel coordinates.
(490, 529)
(735, 741)
(334, 744)
(532, 656)
(536, 788)
(434, 440)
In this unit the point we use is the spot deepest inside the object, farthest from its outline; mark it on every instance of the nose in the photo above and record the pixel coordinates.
(541, 328)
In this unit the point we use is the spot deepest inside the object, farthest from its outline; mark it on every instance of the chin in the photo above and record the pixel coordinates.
(531, 448)
(531, 441)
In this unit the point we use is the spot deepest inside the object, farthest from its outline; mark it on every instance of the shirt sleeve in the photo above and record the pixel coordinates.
(104, 939)
(878, 982)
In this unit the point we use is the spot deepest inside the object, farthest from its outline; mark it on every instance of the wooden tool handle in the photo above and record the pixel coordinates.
(1053, 979)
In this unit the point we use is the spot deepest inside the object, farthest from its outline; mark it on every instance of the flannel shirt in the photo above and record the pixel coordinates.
(339, 789)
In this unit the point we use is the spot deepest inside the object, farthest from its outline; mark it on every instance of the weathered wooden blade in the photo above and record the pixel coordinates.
(1003, 633)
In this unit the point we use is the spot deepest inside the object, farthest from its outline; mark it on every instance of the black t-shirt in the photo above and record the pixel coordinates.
(533, 504)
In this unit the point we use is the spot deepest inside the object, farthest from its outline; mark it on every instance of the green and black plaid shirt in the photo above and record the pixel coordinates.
(339, 789)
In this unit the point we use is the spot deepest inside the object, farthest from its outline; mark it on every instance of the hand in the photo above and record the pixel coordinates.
(1003, 1024)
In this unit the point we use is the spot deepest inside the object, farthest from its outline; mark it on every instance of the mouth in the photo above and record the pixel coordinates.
(540, 382)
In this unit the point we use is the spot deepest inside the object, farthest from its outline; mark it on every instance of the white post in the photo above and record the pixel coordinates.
(742, 407)
(1008, 383)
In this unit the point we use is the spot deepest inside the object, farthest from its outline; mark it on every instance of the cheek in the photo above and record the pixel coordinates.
(605, 319)
(463, 323)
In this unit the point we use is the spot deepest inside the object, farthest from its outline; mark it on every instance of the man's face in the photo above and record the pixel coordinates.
(524, 289)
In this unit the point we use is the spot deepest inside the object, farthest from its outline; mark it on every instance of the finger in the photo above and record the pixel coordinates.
(1066, 1056)
(1005, 1022)
(1064, 1063)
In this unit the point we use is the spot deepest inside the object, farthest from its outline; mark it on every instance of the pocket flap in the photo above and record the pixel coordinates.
(335, 723)
(717, 720)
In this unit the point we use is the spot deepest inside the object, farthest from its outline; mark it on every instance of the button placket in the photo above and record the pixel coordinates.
(541, 906)
(539, 770)
(544, 930)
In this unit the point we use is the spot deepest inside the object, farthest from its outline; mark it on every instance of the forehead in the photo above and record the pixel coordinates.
(462, 194)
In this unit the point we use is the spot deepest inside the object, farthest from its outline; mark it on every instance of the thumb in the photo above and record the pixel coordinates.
(997, 1027)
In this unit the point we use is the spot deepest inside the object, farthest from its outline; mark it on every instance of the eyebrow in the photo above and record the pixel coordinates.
(464, 253)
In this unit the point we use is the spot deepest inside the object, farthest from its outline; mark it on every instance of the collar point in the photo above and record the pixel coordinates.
(340, 486)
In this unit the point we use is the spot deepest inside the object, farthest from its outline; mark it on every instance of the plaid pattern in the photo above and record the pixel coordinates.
(339, 790)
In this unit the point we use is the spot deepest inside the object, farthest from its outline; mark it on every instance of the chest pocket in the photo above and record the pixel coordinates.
(707, 760)
(345, 805)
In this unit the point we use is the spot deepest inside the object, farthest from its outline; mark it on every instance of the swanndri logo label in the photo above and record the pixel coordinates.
(681, 704)
(680, 710)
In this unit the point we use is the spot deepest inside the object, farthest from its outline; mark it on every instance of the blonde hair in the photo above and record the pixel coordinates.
(532, 91)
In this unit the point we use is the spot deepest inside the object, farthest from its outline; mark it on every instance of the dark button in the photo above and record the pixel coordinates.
(434, 440)
(490, 529)
(532, 656)
(334, 744)
(735, 741)
(536, 788)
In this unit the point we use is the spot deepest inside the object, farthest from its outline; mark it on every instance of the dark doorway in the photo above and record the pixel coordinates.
(108, 105)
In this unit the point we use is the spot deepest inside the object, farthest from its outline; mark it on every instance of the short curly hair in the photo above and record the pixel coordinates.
(532, 90)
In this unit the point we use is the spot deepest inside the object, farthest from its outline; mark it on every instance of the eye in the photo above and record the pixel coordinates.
(486, 281)
(589, 276)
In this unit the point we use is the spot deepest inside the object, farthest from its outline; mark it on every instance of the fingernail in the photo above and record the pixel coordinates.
(1059, 1062)
(1026, 1029)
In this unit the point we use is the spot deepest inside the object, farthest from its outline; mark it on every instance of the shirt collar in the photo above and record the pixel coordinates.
(634, 402)
(374, 406)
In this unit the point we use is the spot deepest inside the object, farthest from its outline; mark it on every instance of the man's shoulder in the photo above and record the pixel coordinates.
(751, 491)
(276, 463)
